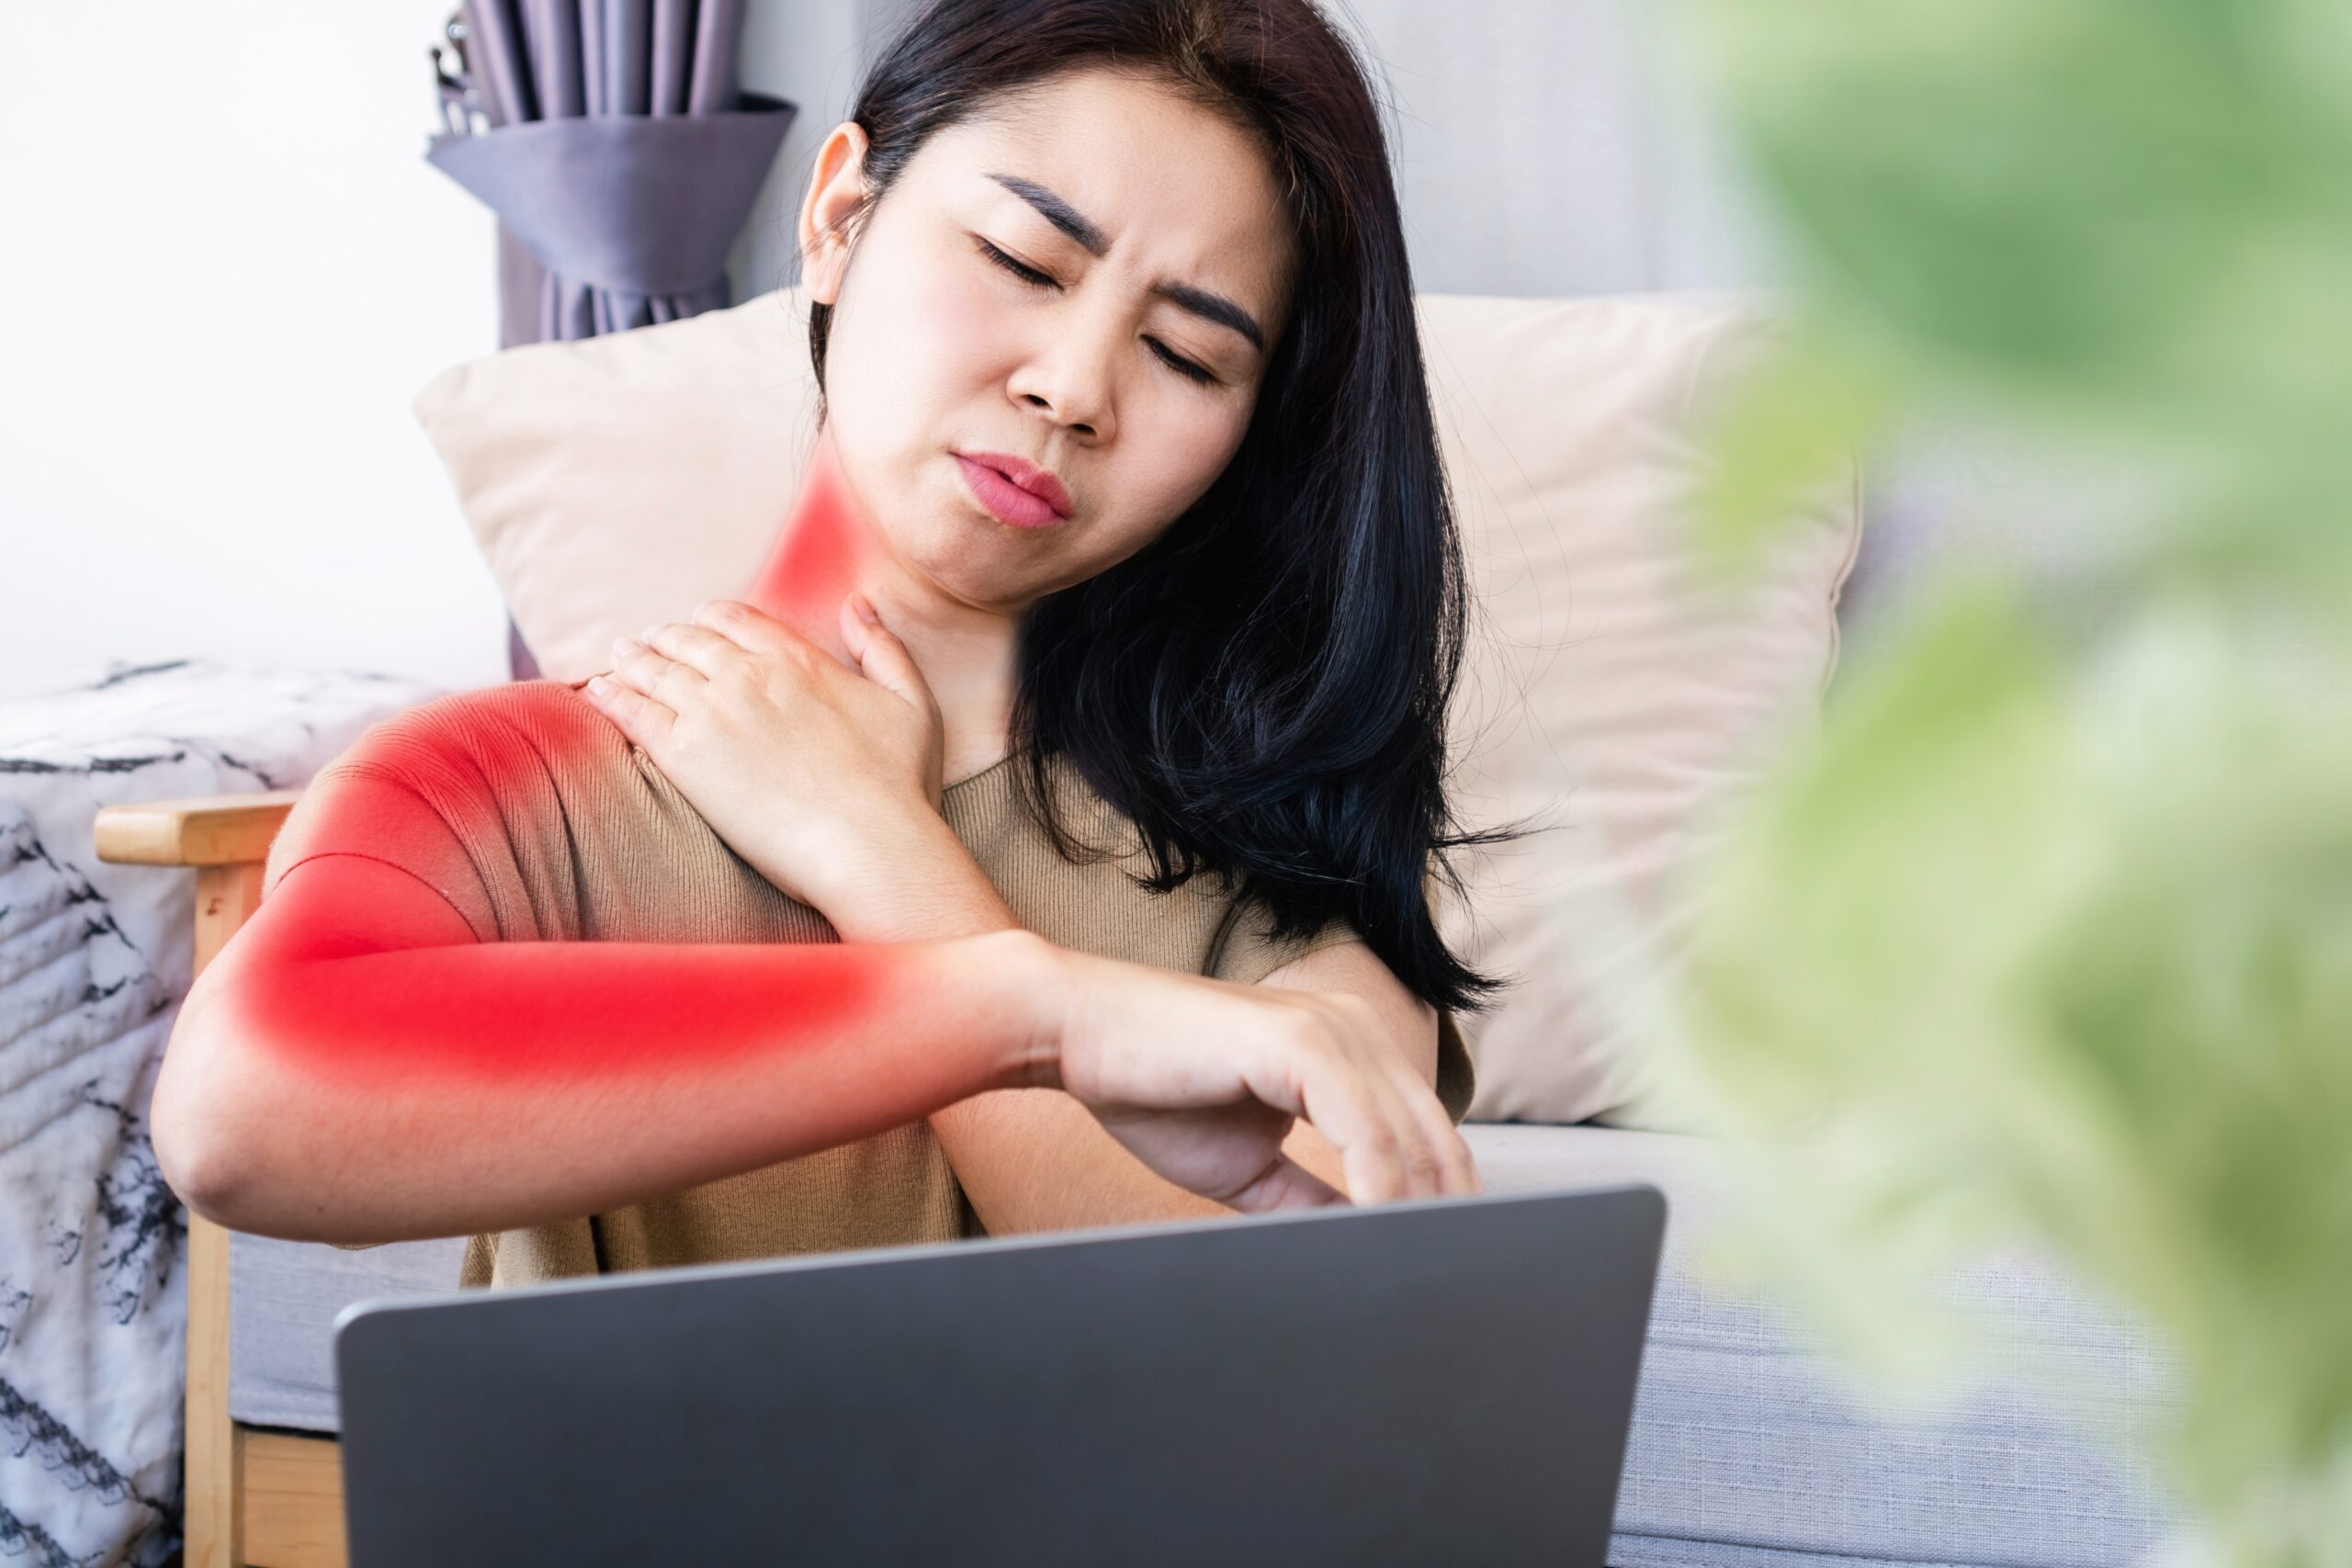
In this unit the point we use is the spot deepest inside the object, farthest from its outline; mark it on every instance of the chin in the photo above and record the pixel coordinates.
(967, 574)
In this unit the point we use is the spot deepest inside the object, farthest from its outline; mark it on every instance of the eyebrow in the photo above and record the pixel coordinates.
(1183, 295)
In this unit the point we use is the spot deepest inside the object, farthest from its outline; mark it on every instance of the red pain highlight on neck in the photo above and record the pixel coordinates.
(820, 553)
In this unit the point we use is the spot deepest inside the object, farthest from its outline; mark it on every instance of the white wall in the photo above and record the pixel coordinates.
(220, 289)
(1557, 147)
(1542, 147)
(807, 52)
(228, 267)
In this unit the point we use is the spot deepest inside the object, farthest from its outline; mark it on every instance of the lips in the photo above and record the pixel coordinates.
(1021, 477)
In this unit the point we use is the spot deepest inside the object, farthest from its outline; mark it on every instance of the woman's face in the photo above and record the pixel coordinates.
(1123, 358)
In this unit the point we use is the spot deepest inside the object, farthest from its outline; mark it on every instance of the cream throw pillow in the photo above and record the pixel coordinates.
(620, 481)
(1606, 686)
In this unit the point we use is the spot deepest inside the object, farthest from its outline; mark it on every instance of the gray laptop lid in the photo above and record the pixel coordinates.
(1444, 1381)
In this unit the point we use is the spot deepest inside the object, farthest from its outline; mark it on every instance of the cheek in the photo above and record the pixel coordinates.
(947, 330)
(915, 338)
(956, 316)
(904, 358)
(1192, 439)
(1186, 449)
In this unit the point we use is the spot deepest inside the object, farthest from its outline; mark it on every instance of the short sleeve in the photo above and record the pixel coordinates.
(341, 814)
(1246, 951)
(361, 804)
(358, 805)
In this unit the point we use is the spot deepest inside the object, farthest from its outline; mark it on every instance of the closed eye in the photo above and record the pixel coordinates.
(1032, 276)
(1025, 273)
(1184, 368)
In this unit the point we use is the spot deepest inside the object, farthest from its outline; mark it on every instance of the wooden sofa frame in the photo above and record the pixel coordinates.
(254, 1496)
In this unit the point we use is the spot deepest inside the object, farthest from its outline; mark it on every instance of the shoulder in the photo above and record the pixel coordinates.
(497, 747)
(442, 784)
(487, 723)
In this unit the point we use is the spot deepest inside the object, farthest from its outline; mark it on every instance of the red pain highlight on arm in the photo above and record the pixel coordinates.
(473, 1014)
(363, 1018)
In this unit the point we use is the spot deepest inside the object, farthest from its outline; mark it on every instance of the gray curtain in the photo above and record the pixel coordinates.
(620, 155)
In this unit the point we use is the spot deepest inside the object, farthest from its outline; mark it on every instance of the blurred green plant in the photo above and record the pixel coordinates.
(2047, 945)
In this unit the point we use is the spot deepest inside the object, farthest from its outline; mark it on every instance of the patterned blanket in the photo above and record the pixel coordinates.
(94, 962)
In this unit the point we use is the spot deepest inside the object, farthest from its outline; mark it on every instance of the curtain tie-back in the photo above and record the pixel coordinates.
(641, 204)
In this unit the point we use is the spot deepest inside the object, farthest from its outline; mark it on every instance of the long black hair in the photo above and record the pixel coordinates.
(1263, 688)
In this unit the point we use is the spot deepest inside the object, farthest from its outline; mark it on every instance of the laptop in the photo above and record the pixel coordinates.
(1436, 1381)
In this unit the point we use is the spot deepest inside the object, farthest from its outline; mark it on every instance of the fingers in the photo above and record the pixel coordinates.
(1457, 1173)
(635, 714)
(1417, 1147)
(1374, 1174)
(688, 650)
(881, 656)
(748, 627)
(1395, 1138)
(645, 689)
(1413, 1171)
(1363, 1120)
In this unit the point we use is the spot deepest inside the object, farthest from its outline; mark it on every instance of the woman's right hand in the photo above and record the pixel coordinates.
(1201, 1079)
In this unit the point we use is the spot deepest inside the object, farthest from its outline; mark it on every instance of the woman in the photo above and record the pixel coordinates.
(1125, 522)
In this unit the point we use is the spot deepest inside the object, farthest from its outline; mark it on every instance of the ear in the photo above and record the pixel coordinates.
(836, 187)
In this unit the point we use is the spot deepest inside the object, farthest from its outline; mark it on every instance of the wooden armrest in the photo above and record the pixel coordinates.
(250, 1496)
(216, 829)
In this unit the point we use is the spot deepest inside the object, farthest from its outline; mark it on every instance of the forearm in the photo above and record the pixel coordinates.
(1027, 1159)
(449, 1089)
(1037, 1160)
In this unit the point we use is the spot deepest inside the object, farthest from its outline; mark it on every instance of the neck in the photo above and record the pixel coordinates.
(828, 548)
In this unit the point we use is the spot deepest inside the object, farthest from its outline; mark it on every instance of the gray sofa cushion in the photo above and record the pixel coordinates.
(283, 1297)
(1744, 1452)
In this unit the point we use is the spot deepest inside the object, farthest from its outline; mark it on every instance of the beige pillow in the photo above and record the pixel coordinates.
(618, 480)
(1606, 686)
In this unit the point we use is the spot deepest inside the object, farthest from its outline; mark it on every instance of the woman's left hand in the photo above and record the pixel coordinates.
(809, 769)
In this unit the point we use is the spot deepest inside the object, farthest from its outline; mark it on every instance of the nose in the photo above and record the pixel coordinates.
(1069, 380)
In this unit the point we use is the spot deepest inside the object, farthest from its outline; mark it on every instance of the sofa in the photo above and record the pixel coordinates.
(1750, 1448)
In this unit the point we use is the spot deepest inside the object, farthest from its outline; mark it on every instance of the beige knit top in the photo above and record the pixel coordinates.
(538, 820)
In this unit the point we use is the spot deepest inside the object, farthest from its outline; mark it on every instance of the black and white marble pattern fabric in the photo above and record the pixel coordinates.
(95, 960)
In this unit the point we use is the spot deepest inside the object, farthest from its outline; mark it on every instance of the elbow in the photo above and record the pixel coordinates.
(194, 1167)
(202, 1120)
(194, 1186)
(219, 1121)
